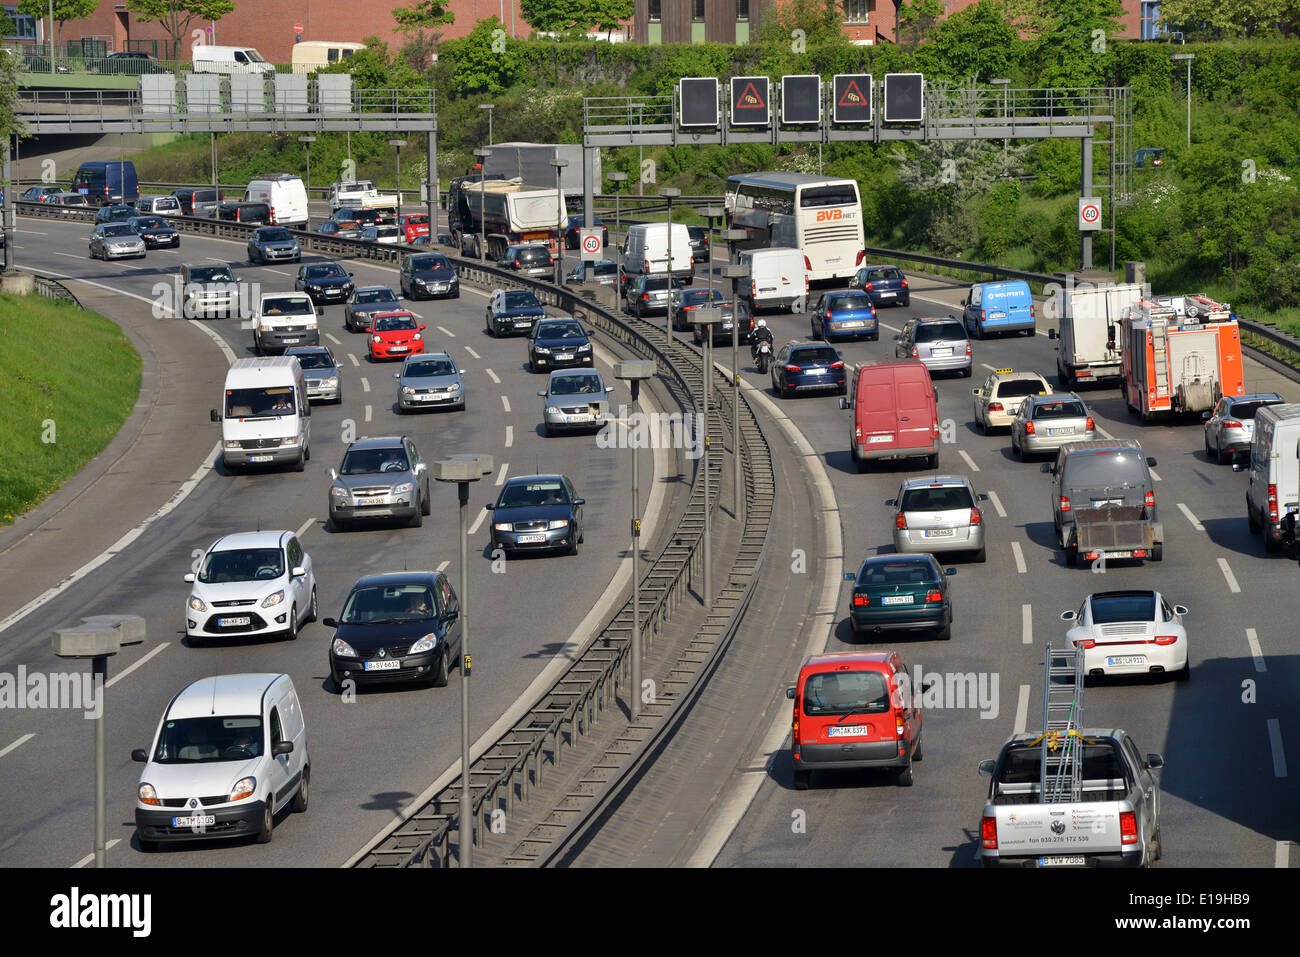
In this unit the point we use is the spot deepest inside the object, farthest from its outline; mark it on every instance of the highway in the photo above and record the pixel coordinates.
(370, 757)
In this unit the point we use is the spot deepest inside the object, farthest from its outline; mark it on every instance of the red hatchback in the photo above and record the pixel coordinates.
(394, 335)
(416, 224)
(854, 710)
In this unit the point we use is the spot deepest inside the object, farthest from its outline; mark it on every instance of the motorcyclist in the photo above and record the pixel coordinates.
(761, 333)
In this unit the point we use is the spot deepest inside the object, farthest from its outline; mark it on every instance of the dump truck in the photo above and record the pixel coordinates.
(531, 162)
(503, 212)
(1088, 332)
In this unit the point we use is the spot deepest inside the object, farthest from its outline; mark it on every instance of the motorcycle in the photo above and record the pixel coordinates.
(762, 355)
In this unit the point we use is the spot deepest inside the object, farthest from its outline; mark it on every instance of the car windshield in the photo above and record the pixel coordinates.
(388, 230)
(394, 323)
(560, 330)
(1020, 387)
(527, 494)
(345, 224)
(251, 403)
(521, 300)
(211, 274)
(1102, 470)
(1021, 765)
(313, 360)
(845, 692)
(846, 302)
(421, 368)
(148, 222)
(327, 271)
(1065, 409)
(533, 254)
(77, 200)
(1132, 606)
(208, 739)
(937, 499)
(883, 275)
(898, 573)
(655, 285)
(1247, 410)
(118, 212)
(119, 229)
(695, 297)
(581, 384)
(383, 604)
(605, 269)
(274, 236)
(819, 356)
(417, 220)
(936, 331)
(428, 263)
(288, 306)
(242, 565)
(374, 295)
(370, 461)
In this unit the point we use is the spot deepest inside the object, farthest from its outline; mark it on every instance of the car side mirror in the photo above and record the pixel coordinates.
(349, 274)
(982, 496)
(490, 506)
(282, 747)
(1151, 462)
(789, 693)
(397, 375)
(298, 571)
(140, 755)
(890, 501)
(609, 388)
(1155, 762)
(1238, 467)
(332, 473)
(976, 391)
(190, 577)
(987, 766)
(1045, 468)
(214, 416)
(963, 302)
(1205, 415)
(330, 622)
(420, 467)
(579, 501)
(1180, 610)
(542, 393)
(1068, 615)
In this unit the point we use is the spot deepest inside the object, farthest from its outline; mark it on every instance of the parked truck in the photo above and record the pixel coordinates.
(1088, 332)
(504, 212)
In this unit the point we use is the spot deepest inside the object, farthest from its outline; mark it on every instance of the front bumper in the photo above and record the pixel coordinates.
(131, 253)
(397, 509)
(279, 341)
(239, 820)
(508, 325)
(434, 289)
(262, 621)
(551, 539)
(913, 540)
(277, 255)
(324, 393)
(225, 307)
(430, 400)
(339, 294)
(419, 667)
(382, 351)
(552, 362)
(162, 242)
(277, 456)
(579, 421)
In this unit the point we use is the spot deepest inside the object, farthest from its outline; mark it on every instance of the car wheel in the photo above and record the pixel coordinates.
(1072, 555)
(576, 546)
(337, 524)
(917, 755)
(1158, 552)
(862, 465)
(1015, 447)
(1222, 457)
(905, 777)
(802, 779)
(314, 610)
(944, 633)
(1210, 453)
(292, 633)
(441, 672)
(546, 428)
(532, 366)
(965, 373)
(1250, 521)
(301, 798)
(417, 520)
(426, 506)
(932, 461)
(268, 823)
(1270, 546)
(301, 463)
(1184, 673)
(306, 454)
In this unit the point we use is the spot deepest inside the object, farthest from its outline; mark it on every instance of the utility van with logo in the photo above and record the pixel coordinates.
(265, 414)
(895, 412)
(778, 278)
(996, 307)
(285, 195)
(1273, 485)
(645, 252)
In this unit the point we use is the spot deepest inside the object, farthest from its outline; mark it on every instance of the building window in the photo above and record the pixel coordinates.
(697, 9)
(1153, 27)
(857, 11)
(656, 7)
(24, 25)
(742, 9)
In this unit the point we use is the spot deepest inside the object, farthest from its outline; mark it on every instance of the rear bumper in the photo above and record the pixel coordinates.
(1039, 442)
(874, 452)
(1118, 859)
(993, 328)
(849, 755)
(924, 617)
(909, 541)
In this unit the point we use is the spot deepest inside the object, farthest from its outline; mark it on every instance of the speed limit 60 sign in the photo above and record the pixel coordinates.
(590, 241)
(1089, 213)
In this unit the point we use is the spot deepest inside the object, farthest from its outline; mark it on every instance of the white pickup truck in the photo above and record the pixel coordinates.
(360, 194)
(1116, 824)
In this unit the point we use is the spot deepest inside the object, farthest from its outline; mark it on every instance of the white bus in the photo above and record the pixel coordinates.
(820, 216)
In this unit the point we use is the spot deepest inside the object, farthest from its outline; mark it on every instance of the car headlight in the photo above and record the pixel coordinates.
(407, 390)
(148, 795)
(427, 643)
(231, 444)
(244, 788)
(332, 381)
(312, 287)
(542, 349)
(270, 601)
(552, 410)
(586, 348)
(420, 282)
(376, 339)
(558, 523)
(343, 650)
(504, 527)
(404, 489)
(196, 603)
(416, 337)
(338, 491)
(454, 387)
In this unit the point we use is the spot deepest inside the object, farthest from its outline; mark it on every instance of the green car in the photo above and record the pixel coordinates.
(901, 593)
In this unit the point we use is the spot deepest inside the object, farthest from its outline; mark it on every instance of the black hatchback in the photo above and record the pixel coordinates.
(324, 282)
(537, 513)
(428, 276)
(155, 231)
(397, 627)
(557, 343)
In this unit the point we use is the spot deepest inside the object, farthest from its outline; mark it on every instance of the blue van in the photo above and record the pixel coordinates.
(999, 307)
(105, 183)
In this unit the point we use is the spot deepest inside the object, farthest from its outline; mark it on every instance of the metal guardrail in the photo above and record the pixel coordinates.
(53, 289)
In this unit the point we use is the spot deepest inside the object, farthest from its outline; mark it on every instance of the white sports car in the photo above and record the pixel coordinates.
(1129, 633)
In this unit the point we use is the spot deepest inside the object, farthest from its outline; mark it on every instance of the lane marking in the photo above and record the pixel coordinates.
(1275, 742)
(501, 476)
(281, 272)
(1020, 558)
(472, 353)
(365, 384)
(1256, 652)
(493, 376)
(17, 744)
(1026, 624)
(445, 331)
(302, 529)
(505, 401)
(1022, 709)
(510, 435)
(1190, 517)
(970, 462)
(443, 566)
(1104, 434)
(108, 846)
(478, 522)
(1227, 573)
(354, 359)
(891, 328)
(135, 664)
(367, 413)
(34, 232)
(1154, 476)
(997, 503)
(985, 365)
(330, 337)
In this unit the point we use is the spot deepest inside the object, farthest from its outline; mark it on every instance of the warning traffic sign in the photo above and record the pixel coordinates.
(1089, 213)
(750, 102)
(852, 98)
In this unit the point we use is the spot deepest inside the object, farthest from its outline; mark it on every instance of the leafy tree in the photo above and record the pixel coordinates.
(575, 16)
(9, 124)
(818, 19)
(175, 16)
(978, 42)
(919, 20)
(421, 14)
(64, 10)
(1071, 39)
(486, 60)
(1249, 17)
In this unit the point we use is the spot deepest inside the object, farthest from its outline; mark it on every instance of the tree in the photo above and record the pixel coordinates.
(421, 14)
(1071, 39)
(818, 19)
(175, 16)
(1241, 16)
(64, 10)
(486, 60)
(575, 16)
(919, 20)
(977, 42)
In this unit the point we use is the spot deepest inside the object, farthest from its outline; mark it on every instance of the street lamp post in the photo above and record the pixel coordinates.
(634, 372)
(706, 316)
(489, 107)
(736, 273)
(670, 193)
(482, 155)
(307, 141)
(618, 179)
(464, 469)
(1188, 58)
(397, 145)
(559, 165)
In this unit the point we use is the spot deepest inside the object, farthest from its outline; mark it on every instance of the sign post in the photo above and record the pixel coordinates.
(590, 241)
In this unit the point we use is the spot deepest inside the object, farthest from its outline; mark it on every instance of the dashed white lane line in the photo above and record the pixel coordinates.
(510, 435)
(1154, 476)
(472, 353)
(443, 566)
(108, 846)
(1227, 573)
(1022, 709)
(1020, 558)
(354, 359)
(17, 744)
(985, 365)
(493, 376)
(1282, 854)
(1256, 651)
(1026, 624)
(368, 413)
(891, 328)
(135, 664)
(446, 332)
(330, 337)
(302, 529)
(478, 522)
(365, 384)
(1102, 432)
(1190, 517)
(970, 462)
(505, 401)
(1275, 742)
(997, 504)
(501, 475)
(281, 272)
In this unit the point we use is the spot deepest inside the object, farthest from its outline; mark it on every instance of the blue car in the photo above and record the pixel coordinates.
(558, 343)
(273, 244)
(996, 307)
(512, 310)
(807, 367)
(885, 284)
(849, 314)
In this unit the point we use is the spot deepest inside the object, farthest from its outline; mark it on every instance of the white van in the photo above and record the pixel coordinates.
(214, 59)
(646, 252)
(1273, 486)
(229, 752)
(286, 197)
(311, 55)
(285, 319)
(778, 278)
(265, 414)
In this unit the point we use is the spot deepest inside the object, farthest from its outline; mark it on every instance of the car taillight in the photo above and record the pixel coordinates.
(981, 315)
(995, 407)
(861, 601)
(900, 729)
(646, 266)
(1149, 500)
(1231, 424)
(934, 430)
(1090, 556)
(790, 368)
(1088, 426)
(1128, 827)
(989, 832)
(1272, 503)
(1166, 639)
(837, 365)
(1065, 504)
(1031, 310)
(828, 313)
(645, 295)
(968, 348)
(915, 354)
(934, 595)
(900, 521)
(794, 725)
(904, 283)
(862, 254)
(1029, 428)
(867, 286)
(975, 517)
(753, 288)
(857, 432)
(1085, 643)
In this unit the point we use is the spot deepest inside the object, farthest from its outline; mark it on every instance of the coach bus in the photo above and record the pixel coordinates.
(820, 216)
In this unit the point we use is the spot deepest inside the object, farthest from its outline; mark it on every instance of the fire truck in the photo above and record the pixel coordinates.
(1179, 354)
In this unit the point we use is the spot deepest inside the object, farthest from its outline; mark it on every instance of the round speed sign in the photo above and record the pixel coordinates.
(591, 244)
(1091, 213)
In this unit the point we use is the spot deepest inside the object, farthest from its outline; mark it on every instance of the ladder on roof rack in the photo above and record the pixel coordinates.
(1060, 766)
(1160, 355)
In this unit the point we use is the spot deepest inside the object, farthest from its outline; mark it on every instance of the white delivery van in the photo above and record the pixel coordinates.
(1273, 486)
(265, 415)
(646, 252)
(284, 319)
(229, 752)
(214, 59)
(286, 197)
(778, 279)
(311, 55)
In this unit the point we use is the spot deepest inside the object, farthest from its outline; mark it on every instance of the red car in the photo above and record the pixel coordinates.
(416, 224)
(394, 335)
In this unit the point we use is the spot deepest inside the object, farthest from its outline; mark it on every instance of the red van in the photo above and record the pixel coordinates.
(854, 710)
(895, 412)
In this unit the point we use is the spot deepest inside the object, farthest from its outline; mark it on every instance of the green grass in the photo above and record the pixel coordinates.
(70, 380)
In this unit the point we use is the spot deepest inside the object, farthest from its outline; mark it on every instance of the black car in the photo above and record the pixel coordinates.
(513, 310)
(340, 228)
(155, 231)
(324, 282)
(365, 304)
(687, 301)
(537, 513)
(429, 276)
(556, 343)
(572, 231)
(806, 367)
(128, 63)
(258, 214)
(111, 214)
(699, 244)
(531, 260)
(398, 627)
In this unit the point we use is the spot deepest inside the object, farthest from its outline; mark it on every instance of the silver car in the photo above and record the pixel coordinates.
(430, 380)
(116, 241)
(941, 344)
(1230, 425)
(321, 372)
(575, 399)
(366, 301)
(939, 514)
(381, 478)
(209, 290)
(1047, 422)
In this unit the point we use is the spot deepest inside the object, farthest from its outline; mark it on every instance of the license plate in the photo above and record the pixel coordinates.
(940, 532)
(997, 315)
(524, 323)
(580, 417)
(260, 458)
(1121, 660)
(531, 539)
(291, 341)
(1060, 431)
(195, 820)
(1099, 502)
(940, 352)
(563, 356)
(1061, 861)
(880, 438)
(853, 324)
(848, 731)
(392, 664)
(897, 600)
(887, 295)
(397, 348)
(425, 398)
(814, 371)
(234, 622)
(374, 500)
(1119, 554)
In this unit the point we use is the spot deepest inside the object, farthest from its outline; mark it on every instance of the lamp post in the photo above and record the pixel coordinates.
(489, 107)
(559, 165)
(736, 272)
(464, 469)
(706, 316)
(634, 372)
(640, 155)
(670, 193)
(711, 213)
(1188, 58)
(618, 179)
(307, 141)
(482, 155)
(397, 145)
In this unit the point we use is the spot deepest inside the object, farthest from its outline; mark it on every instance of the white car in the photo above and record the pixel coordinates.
(251, 584)
(1130, 633)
